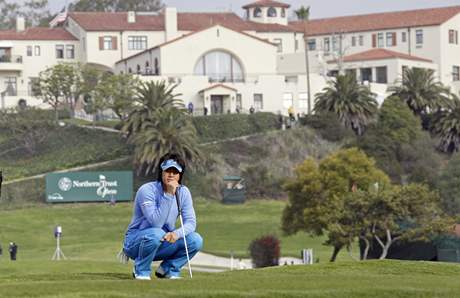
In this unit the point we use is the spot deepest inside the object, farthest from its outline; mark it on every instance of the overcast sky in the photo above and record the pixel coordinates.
(319, 8)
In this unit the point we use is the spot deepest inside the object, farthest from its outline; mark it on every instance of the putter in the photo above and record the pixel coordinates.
(179, 207)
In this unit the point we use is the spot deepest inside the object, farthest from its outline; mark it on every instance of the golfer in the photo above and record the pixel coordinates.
(152, 235)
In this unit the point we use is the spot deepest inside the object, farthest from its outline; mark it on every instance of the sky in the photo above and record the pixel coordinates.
(319, 8)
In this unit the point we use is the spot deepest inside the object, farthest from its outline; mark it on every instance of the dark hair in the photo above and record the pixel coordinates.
(174, 156)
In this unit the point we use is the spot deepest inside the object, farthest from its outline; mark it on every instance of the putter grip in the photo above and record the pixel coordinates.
(179, 208)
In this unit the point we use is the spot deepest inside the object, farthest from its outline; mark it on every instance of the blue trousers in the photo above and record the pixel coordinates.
(145, 246)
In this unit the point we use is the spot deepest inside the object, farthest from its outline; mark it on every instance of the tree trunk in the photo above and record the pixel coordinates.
(366, 249)
(56, 114)
(335, 253)
(307, 66)
(350, 252)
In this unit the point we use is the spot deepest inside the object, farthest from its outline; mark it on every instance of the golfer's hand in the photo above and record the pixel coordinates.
(171, 186)
(171, 237)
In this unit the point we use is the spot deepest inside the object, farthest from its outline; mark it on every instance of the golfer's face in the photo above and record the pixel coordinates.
(170, 175)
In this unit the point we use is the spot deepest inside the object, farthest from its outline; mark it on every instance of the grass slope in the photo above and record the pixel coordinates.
(95, 231)
(65, 147)
(393, 279)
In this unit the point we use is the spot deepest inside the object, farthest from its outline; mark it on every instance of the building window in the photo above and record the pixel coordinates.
(137, 43)
(239, 101)
(257, 12)
(389, 36)
(59, 51)
(456, 73)
(107, 43)
(271, 12)
(334, 44)
(11, 86)
(403, 36)
(258, 101)
(405, 68)
(37, 50)
(283, 12)
(453, 36)
(353, 41)
(296, 45)
(130, 70)
(279, 43)
(380, 40)
(29, 50)
(382, 75)
(303, 100)
(288, 100)
(138, 69)
(419, 37)
(220, 66)
(70, 51)
(33, 87)
(361, 40)
(327, 44)
(312, 44)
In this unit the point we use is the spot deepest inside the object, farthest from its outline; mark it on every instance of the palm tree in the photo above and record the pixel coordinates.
(159, 124)
(355, 105)
(171, 131)
(420, 91)
(151, 97)
(303, 14)
(446, 124)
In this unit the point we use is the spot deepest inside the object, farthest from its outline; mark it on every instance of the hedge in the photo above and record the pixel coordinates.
(219, 127)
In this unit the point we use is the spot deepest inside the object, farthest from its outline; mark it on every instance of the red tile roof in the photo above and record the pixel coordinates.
(37, 33)
(379, 21)
(266, 3)
(379, 54)
(106, 21)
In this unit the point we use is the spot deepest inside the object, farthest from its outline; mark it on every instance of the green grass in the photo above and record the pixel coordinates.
(95, 231)
(73, 279)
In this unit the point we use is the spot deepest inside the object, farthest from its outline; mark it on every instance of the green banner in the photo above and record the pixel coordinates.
(89, 187)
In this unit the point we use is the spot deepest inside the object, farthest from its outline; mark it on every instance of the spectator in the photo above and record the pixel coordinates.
(251, 110)
(1, 180)
(237, 110)
(13, 249)
(291, 113)
(205, 111)
(190, 108)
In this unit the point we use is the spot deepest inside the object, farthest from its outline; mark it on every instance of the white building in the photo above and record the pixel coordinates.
(221, 61)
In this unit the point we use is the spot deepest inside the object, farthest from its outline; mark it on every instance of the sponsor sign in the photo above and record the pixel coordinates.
(89, 187)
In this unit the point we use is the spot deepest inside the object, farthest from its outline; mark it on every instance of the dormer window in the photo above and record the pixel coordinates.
(283, 12)
(257, 12)
(271, 12)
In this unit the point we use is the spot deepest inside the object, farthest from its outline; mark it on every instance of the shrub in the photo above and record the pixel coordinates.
(218, 127)
(328, 126)
(265, 251)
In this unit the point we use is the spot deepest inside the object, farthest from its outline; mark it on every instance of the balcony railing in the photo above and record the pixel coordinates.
(10, 59)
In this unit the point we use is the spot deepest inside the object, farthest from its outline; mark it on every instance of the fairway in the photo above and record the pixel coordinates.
(346, 279)
(95, 231)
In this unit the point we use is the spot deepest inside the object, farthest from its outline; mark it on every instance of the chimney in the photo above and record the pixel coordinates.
(170, 14)
(131, 16)
(20, 24)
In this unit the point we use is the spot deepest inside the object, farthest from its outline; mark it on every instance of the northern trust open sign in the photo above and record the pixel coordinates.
(89, 187)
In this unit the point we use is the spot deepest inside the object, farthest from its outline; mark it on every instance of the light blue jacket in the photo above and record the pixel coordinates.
(153, 208)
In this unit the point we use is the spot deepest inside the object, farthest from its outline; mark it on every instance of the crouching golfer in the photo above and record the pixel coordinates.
(152, 235)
